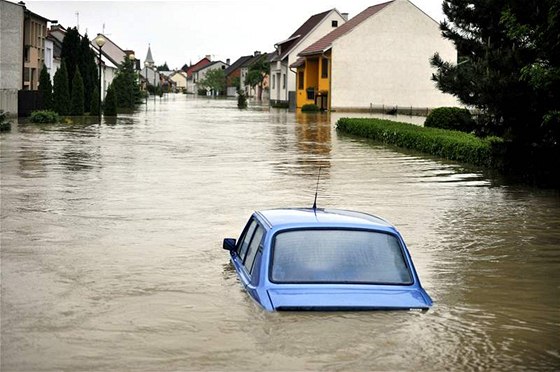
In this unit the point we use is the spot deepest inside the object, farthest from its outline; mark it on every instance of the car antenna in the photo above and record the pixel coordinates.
(316, 190)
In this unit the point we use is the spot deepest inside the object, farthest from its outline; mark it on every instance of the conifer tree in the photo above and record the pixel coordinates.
(45, 87)
(508, 67)
(88, 70)
(61, 95)
(126, 86)
(110, 104)
(70, 52)
(77, 101)
(94, 108)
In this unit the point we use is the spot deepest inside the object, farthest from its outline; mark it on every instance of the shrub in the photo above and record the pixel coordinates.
(453, 118)
(110, 104)
(44, 117)
(310, 108)
(280, 104)
(5, 125)
(202, 92)
(448, 144)
(241, 100)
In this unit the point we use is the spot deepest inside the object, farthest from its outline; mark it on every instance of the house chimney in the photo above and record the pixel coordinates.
(227, 61)
(257, 53)
(345, 16)
(209, 57)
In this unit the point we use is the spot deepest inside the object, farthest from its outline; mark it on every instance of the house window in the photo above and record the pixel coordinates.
(324, 68)
(283, 81)
(273, 81)
(334, 23)
(300, 80)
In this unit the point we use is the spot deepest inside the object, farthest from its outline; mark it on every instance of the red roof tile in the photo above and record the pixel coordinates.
(326, 41)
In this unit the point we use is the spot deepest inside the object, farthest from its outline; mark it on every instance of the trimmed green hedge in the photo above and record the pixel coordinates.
(310, 107)
(448, 144)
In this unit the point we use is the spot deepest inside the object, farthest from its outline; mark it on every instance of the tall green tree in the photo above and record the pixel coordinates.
(88, 70)
(77, 100)
(70, 52)
(61, 94)
(508, 66)
(45, 87)
(94, 108)
(215, 81)
(256, 74)
(125, 84)
(110, 103)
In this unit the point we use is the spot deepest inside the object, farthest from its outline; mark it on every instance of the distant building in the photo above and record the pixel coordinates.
(283, 80)
(244, 71)
(190, 79)
(233, 74)
(378, 58)
(22, 52)
(149, 74)
(199, 74)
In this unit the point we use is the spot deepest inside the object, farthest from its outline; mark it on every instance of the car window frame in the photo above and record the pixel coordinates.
(256, 249)
(405, 258)
(252, 221)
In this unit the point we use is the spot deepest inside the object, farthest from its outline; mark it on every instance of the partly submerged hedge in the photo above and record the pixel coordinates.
(44, 116)
(448, 144)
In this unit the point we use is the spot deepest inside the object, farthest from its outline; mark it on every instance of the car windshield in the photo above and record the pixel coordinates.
(338, 256)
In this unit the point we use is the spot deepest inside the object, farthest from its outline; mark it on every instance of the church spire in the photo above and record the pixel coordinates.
(149, 59)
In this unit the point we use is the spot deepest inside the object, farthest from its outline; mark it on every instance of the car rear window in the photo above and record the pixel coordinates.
(338, 256)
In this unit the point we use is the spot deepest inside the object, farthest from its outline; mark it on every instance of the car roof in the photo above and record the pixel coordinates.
(320, 217)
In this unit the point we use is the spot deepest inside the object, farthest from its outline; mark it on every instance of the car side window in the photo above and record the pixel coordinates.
(253, 248)
(244, 244)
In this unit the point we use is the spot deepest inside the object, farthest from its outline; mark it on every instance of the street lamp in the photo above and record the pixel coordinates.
(100, 41)
(132, 58)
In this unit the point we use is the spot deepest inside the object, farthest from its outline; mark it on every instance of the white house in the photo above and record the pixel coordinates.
(378, 58)
(282, 79)
(200, 73)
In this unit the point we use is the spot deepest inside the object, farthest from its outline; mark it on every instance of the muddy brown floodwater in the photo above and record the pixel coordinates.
(111, 254)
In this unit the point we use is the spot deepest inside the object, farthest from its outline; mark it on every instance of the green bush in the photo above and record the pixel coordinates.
(310, 107)
(241, 100)
(110, 104)
(453, 118)
(448, 144)
(44, 117)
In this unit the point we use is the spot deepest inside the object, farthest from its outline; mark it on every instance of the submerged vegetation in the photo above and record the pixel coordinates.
(448, 144)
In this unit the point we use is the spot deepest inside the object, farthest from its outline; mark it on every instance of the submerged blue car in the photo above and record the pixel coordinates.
(325, 259)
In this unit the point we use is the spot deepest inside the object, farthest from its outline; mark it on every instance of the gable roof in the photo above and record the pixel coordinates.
(208, 66)
(237, 64)
(325, 43)
(288, 45)
(253, 59)
(203, 62)
(110, 50)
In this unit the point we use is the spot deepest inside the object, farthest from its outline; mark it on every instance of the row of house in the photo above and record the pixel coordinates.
(377, 59)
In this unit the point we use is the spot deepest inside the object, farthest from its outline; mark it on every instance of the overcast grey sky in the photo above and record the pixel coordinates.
(185, 31)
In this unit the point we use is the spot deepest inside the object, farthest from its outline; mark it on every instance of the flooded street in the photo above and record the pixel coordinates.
(112, 259)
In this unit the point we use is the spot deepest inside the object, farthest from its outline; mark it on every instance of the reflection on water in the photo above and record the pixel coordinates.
(111, 252)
